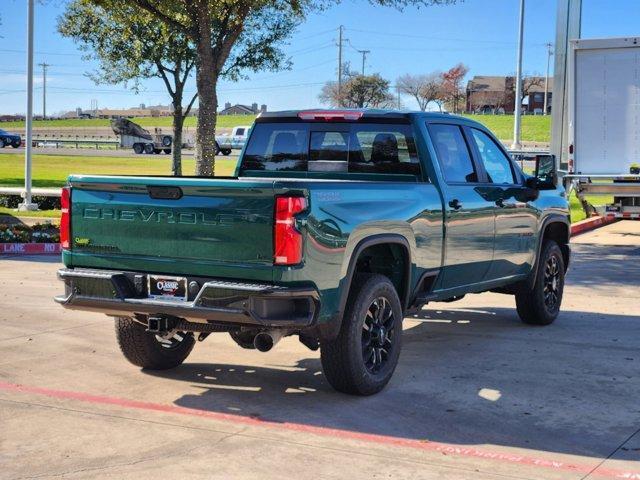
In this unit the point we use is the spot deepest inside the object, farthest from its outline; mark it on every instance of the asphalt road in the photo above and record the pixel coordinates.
(477, 395)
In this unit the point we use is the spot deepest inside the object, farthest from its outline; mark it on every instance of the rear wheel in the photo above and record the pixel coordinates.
(16, 143)
(541, 304)
(138, 148)
(362, 359)
(148, 149)
(148, 350)
(167, 151)
(157, 151)
(226, 151)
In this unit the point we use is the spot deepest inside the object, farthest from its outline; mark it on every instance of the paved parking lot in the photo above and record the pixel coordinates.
(477, 395)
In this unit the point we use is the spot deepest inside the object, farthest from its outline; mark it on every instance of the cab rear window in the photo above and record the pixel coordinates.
(374, 148)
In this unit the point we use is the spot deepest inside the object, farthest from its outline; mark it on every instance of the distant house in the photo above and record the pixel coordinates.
(486, 94)
(239, 109)
(493, 94)
(11, 118)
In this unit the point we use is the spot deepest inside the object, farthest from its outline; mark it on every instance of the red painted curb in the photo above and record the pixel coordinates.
(30, 249)
(590, 224)
(544, 463)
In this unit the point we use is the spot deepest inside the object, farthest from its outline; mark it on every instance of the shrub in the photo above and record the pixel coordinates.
(44, 203)
(38, 233)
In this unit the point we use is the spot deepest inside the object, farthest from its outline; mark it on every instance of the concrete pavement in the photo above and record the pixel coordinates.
(477, 395)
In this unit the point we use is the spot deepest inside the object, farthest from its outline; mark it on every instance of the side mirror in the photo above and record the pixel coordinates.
(546, 175)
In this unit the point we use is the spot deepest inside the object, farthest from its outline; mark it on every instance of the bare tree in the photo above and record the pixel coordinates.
(424, 89)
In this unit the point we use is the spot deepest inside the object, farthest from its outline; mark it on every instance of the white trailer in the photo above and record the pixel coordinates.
(604, 122)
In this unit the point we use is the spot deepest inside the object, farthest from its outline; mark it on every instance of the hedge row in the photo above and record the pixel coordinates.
(44, 203)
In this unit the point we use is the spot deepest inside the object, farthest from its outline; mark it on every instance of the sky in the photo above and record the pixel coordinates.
(482, 34)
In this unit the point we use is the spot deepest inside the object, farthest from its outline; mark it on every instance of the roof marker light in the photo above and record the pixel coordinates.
(329, 115)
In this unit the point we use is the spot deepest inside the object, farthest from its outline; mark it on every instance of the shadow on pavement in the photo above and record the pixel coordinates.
(465, 377)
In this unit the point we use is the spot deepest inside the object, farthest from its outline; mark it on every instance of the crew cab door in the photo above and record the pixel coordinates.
(515, 216)
(469, 215)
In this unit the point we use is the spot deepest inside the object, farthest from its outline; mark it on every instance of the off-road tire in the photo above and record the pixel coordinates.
(342, 359)
(143, 349)
(530, 302)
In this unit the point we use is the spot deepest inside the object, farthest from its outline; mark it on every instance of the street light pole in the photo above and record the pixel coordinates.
(44, 66)
(340, 65)
(518, 105)
(27, 204)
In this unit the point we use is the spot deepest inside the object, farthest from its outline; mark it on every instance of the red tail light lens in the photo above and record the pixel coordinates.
(65, 218)
(287, 245)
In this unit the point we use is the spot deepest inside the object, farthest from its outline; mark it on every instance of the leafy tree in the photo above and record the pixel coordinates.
(131, 45)
(423, 88)
(215, 27)
(452, 91)
(358, 91)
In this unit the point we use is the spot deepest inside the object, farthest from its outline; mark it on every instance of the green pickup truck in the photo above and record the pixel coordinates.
(335, 226)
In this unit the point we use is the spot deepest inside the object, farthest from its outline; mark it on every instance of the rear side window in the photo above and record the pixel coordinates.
(453, 153)
(240, 131)
(342, 147)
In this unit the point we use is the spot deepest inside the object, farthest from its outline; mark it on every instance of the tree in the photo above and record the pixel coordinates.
(215, 27)
(130, 46)
(423, 88)
(358, 91)
(452, 90)
(228, 39)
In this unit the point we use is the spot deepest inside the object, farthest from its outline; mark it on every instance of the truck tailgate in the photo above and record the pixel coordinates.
(167, 224)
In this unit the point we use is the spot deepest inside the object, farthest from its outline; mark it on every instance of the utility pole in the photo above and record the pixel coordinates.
(546, 80)
(340, 28)
(364, 58)
(44, 66)
(518, 100)
(27, 203)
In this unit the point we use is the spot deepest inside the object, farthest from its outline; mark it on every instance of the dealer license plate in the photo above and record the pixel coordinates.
(174, 288)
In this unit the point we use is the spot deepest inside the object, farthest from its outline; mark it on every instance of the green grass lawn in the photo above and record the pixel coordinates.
(223, 121)
(53, 170)
(534, 128)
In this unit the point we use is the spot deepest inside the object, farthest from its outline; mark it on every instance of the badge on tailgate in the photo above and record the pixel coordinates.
(167, 287)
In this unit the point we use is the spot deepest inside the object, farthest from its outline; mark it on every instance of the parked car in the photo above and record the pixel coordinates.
(337, 225)
(7, 139)
(225, 143)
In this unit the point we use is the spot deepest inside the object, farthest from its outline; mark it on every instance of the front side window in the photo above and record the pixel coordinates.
(496, 163)
(453, 153)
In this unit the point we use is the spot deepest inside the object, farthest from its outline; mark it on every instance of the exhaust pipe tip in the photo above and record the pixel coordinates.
(263, 342)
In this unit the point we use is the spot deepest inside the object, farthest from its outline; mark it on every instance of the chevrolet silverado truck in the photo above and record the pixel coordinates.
(335, 226)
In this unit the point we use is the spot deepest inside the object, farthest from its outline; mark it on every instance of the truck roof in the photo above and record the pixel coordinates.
(366, 113)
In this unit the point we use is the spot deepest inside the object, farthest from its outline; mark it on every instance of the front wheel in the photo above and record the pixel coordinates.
(541, 304)
(16, 143)
(148, 350)
(362, 359)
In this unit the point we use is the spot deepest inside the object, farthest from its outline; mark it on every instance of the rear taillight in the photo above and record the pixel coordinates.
(287, 240)
(65, 218)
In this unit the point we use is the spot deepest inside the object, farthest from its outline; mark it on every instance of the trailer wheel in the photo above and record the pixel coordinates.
(138, 148)
(226, 151)
(166, 141)
(148, 149)
(151, 351)
(167, 151)
(157, 151)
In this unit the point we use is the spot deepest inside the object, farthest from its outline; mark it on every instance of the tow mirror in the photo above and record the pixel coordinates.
(546, 175)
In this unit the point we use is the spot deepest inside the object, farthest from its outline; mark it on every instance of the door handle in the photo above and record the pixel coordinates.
(455, 204)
